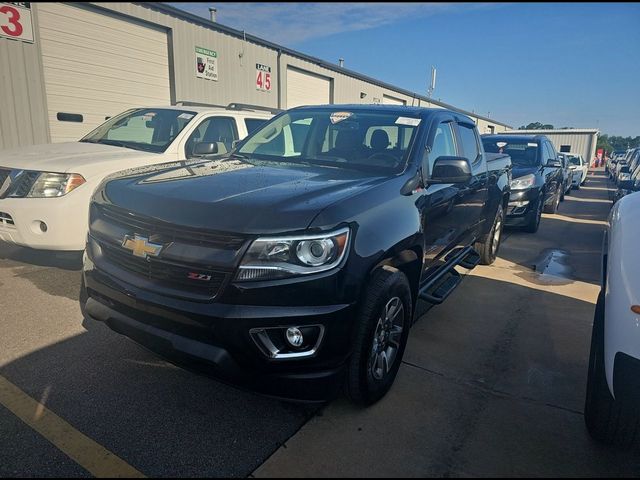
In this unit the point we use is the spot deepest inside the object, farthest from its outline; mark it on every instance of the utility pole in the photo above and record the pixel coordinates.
(432, 85)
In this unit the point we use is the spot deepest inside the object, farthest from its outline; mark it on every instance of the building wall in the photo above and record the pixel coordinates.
(23, 104)
(582, 142)
(23, 119)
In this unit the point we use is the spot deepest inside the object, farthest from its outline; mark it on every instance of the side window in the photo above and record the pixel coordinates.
(469, 141)
(443, 143)
(220, 130)
(253, 123)
(551, 150)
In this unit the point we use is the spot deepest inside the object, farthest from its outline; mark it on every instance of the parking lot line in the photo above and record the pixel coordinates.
(91, 456)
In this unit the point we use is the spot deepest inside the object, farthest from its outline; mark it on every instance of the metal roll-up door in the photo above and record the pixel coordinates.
(306, 88)
(97, 65)
(389, 100)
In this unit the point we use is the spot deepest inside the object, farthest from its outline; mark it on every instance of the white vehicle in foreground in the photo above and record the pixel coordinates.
(612, 407)
(45, 189)
(580, 169)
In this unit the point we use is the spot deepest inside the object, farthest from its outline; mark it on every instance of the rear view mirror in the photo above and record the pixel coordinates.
(204, 148)
(450, 170)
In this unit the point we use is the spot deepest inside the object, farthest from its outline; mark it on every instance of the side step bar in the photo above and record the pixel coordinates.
(446, 281)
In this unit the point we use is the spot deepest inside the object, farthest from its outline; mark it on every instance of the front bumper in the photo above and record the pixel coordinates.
(522, 205)
(214, 337)
(65, 219)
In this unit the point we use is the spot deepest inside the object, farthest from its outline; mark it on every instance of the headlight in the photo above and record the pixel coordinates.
(521, 183)
(283, 257)
(55, 184)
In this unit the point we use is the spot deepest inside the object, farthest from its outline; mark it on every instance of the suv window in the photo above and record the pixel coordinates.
(469, 141)
(220, 130)
(548, 153)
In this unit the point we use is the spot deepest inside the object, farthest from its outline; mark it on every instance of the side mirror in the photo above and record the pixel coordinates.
(450, 170)
(553, 163)
(204, 148)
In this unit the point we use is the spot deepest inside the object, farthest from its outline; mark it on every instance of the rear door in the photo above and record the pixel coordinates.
(476, 193)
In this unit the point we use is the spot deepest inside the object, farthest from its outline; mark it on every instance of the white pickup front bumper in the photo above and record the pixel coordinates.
(46, 223)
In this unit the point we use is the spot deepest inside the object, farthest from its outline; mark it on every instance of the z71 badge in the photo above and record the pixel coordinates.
(199, 276)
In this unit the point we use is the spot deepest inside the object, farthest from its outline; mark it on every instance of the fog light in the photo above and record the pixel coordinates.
(295, 337)
(43, 227)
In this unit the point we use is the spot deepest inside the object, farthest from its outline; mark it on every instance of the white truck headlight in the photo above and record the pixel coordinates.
(274, 258)
(55, 184)
(522, 183)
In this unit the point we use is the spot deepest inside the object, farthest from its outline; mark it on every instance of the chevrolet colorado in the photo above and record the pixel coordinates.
(293, 264)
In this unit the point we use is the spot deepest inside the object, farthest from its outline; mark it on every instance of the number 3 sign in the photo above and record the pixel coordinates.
(15, 21)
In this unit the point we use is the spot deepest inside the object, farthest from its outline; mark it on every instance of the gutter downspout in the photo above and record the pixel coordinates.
(279, 79)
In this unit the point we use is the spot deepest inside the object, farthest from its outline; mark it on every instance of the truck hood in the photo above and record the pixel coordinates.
(84, 158)
(235, 196)
(518, 172)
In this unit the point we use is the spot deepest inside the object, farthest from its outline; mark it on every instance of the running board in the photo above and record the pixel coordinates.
(439, 292)
(471, 260)
(446, 281)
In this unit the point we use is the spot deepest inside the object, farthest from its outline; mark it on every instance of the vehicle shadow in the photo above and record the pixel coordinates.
(17, 255)
(166, 421)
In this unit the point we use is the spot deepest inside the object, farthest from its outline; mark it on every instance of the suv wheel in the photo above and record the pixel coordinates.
(608, 420)
(553, 208)
(534, 220)
(488, 247)
(382, 330)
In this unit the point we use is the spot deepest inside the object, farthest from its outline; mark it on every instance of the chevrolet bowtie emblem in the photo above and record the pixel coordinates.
(141, 247)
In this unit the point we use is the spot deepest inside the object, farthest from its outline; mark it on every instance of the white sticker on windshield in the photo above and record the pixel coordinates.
(339, 116)
(186, 116)
(532, 144)
(412, 122)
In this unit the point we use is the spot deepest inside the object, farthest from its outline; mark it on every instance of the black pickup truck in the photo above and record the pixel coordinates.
(293, 265)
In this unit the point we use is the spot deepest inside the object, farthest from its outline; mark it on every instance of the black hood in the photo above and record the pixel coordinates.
(236, 196)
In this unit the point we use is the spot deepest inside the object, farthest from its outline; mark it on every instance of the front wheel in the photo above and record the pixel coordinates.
(488, 247)
(533, 223)
(382, 326)
(553, 208)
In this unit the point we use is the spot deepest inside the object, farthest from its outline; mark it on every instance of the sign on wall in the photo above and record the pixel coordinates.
(263, 77)
(15, 21)
(206, 64)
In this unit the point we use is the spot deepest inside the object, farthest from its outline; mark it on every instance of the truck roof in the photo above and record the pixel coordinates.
(399, 109)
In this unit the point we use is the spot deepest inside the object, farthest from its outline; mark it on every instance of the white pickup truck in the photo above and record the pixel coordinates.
(45, 189)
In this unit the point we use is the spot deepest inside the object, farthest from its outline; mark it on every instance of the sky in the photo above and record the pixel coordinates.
(566, 64)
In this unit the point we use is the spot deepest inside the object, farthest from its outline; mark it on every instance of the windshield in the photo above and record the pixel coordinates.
(378, 142)
(148, 129)
(522, 153)
(574, 160)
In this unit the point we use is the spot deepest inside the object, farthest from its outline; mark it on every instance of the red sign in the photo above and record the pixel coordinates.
(263, 77)
(15, 21)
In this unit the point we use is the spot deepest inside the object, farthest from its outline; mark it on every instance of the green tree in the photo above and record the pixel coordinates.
(536, 126)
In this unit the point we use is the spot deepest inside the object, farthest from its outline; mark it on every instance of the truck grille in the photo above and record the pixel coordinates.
(162, 273)
(6, 220)
(20, 184)
(149, 226)
(188, 266)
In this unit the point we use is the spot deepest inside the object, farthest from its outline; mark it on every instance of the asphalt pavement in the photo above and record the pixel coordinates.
(492, 382)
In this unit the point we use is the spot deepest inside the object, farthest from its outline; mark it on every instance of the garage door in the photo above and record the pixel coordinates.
(306, 88)
(96, 66)
(389, 100)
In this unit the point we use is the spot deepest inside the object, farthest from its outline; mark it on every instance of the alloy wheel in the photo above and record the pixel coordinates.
(386, 338)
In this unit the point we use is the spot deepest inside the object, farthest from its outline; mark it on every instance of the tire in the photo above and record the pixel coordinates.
(534, 222)
(490, 244)
(365, 384)
(608, 420)
(553, 208)
(577, 187)
(563, 192)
